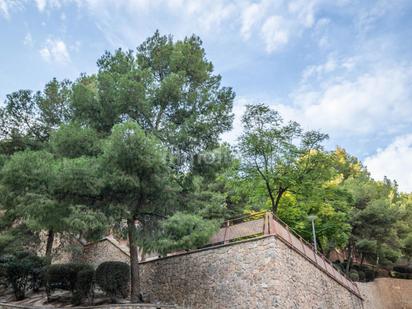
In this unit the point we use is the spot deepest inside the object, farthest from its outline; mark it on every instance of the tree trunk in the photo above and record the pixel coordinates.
(272, 199)
(278, 197)
(134, 263)
(349, 260)
(49, 244)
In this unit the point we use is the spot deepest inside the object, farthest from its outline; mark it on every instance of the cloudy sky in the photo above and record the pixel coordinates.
(343, 67)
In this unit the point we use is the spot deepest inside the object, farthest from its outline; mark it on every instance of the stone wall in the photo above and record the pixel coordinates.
(107, 249)
(387, 293)
(258, 273)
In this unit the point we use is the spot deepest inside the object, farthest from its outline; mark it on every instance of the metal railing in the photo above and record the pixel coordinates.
(265, 223)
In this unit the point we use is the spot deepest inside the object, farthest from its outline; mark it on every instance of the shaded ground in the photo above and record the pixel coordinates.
(59, 299)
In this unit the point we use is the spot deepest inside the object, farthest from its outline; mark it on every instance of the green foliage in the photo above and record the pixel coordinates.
(20, 124)
(353, 275)
(16, 238)
(400, 275)
(84, 286)
(113, 278)
(54, 103)
(72, 141)
(407, 247)
(28, 178)
(405, 269)
(23, 271)
(284, 157)
(134, 168)
(185, 231)
(64, 276)
(167, 87)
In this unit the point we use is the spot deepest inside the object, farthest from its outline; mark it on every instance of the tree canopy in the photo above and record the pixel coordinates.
(135, 149)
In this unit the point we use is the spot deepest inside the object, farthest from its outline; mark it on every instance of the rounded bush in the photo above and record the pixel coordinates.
(353, 275)
(398, 275)
(369, 275)
(404, 269)
(84, 286)
(64, 276)
(22, 271)
(113, 278)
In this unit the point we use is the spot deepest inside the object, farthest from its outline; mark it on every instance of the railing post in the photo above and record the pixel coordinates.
(266, 224)
(272, 224)
(302, 244)
(324, 263)
(290, 237)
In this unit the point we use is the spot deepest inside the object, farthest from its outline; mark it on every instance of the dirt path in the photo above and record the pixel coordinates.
(387, 293)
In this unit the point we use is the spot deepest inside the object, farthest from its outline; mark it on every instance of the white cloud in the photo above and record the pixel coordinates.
(41, 4)
(270, 23)
(360, 106)
(28, 40)
(274, 33)
(378, 101)
(250, 16)
(304, 10)
(7, 6)
(394, 162)
(55, 50)
(4, 8)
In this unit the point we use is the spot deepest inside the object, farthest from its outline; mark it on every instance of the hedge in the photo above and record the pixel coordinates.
(113, 278)
(74, 277)
(404, 269)
(23, 271)
(84, 286)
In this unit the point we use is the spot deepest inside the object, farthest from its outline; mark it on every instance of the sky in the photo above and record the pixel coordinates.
(342, 67)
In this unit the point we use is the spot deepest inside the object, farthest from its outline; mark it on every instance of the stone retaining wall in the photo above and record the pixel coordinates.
(258, 273)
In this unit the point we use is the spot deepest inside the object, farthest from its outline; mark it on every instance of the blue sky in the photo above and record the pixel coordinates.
(343, 67)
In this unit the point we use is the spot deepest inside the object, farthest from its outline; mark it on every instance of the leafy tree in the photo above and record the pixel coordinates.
(167, 87)
(283, 156)
(28, 118)
(407, 247)
(50, 194)
(372, 218)
(54, 103)
(136, 179)
(72, 141)
(183, 230)
(20, 123)
(27, 177)
(170, 90)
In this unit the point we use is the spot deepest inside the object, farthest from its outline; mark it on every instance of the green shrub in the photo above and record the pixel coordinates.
(353, 275)
(113, 278)
(361, 275)
(84, 286)
(22, 271)
(404, 269)
(369, 275)
(64, 276)
(398, 275)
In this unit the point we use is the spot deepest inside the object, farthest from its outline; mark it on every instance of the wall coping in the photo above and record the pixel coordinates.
(192, 251)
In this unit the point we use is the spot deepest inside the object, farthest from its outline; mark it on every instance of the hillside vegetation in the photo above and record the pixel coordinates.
(135, 149)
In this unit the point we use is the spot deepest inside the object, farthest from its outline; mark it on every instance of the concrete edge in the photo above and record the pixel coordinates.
(137, 306)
